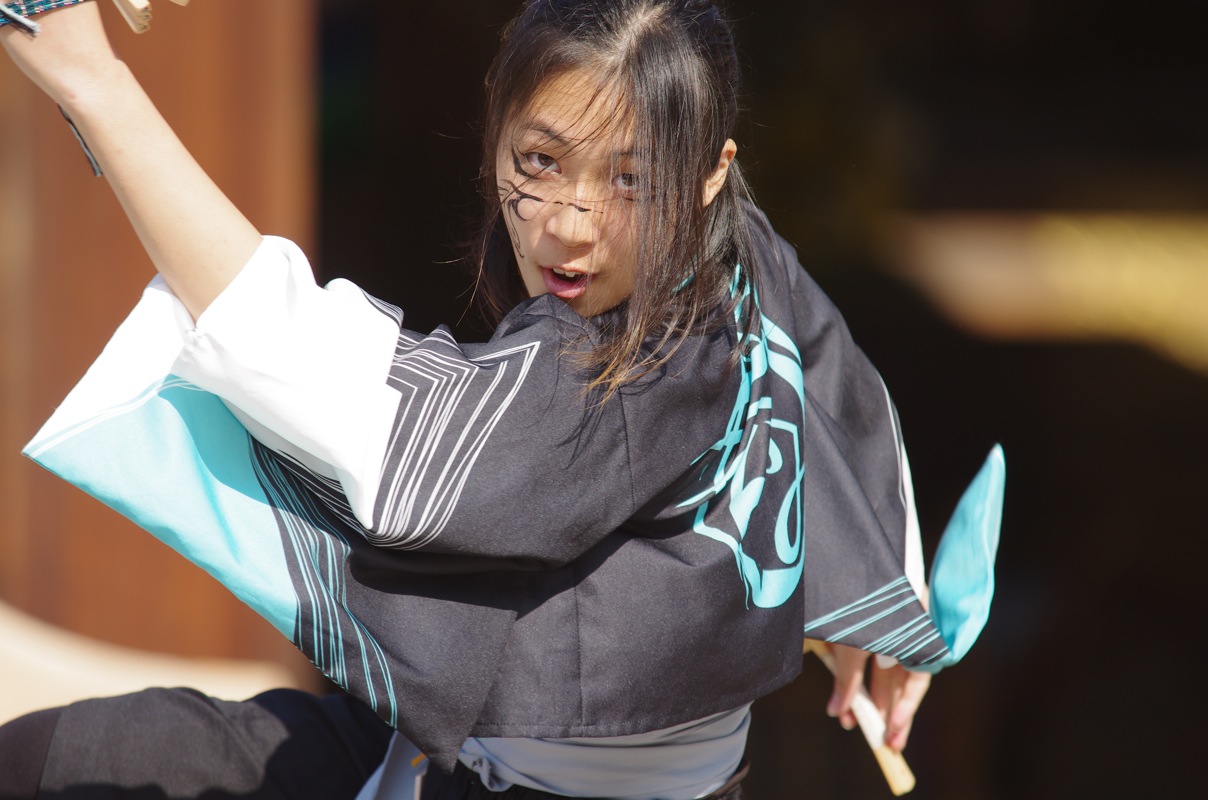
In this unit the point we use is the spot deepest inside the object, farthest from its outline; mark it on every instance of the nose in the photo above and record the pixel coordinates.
(572, 225)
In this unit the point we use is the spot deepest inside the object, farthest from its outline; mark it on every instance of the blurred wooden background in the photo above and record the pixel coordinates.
(237, 82)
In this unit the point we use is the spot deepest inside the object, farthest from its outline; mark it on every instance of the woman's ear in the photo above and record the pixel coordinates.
(718, 178)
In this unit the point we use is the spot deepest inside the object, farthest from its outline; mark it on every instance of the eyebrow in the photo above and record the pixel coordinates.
(562, 141)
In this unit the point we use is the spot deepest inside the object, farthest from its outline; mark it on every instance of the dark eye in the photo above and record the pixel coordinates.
(541, 162)
(626, 182)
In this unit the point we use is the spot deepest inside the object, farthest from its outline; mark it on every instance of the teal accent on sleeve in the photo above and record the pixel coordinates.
(962, 574)
(177, 462)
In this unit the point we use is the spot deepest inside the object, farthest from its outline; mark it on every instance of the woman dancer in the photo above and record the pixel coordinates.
(561, 563)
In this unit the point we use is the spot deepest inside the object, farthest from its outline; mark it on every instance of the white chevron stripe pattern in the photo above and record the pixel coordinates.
(449, 407)
(318, 553)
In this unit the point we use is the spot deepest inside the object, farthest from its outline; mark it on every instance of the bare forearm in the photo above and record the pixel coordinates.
(196, 238)
(194, 235)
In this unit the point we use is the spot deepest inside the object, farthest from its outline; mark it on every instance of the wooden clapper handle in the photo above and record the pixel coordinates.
(138, 12)
(897, 772)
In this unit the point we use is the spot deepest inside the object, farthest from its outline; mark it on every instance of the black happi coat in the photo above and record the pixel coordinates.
(536, 569)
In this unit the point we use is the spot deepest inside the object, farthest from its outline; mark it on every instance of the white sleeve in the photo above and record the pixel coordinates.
(913, 566)
(304, 368)
(914, 543)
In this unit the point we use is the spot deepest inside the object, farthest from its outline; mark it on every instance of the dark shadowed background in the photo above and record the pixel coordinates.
(1085, 682)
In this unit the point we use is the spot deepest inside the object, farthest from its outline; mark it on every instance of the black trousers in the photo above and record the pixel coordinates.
(178, 743)
(172, 744)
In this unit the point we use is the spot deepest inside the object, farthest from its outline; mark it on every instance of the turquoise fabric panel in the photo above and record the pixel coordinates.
(962, 573)
(177, 463)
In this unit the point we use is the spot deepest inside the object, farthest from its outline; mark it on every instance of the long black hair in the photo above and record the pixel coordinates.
(674, 68)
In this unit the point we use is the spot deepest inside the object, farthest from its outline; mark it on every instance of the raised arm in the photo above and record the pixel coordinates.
(195, 236)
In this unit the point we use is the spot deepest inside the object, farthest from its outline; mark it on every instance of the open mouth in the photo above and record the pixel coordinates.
(565, 283)
(567, 275)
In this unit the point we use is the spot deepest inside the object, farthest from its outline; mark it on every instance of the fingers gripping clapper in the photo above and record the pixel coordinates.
(136, 12)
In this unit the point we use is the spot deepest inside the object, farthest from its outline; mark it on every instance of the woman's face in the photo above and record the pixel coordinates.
(568, 185)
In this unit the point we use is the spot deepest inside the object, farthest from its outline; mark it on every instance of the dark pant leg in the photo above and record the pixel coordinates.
(178, 743)
(24, 743)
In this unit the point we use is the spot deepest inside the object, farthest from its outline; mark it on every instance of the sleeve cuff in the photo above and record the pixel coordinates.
(304, 368)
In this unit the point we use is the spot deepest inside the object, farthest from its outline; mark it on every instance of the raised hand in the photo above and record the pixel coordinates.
(70, 53)
(195, 237)
(137, 13)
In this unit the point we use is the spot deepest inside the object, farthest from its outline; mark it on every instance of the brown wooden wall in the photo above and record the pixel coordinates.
(236, 81)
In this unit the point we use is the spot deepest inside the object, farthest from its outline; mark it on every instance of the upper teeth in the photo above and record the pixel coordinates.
(564, 273)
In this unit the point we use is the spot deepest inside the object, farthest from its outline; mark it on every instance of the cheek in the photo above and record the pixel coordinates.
(523, 231)
(621, 239)
(518, 225)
